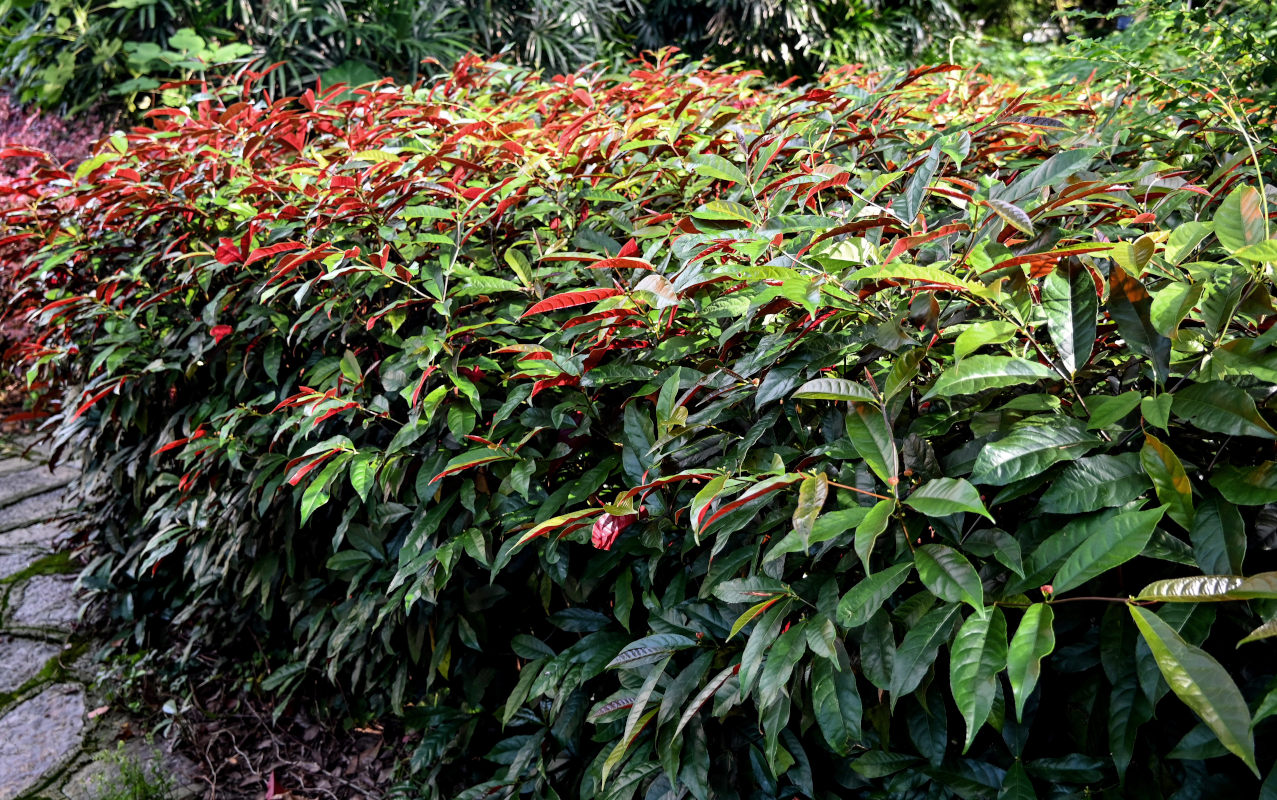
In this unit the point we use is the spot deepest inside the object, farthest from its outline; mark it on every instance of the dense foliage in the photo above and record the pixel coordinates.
(663, 434)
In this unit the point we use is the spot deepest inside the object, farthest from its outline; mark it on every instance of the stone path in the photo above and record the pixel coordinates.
(52, 718)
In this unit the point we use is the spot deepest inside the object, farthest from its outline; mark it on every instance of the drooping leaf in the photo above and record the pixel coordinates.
(978, 654)
(836, 704)
(1130, 307)
(1033, 641)
(873, 440)
(1071, 304)
(917, 653)
(1218, 535)
(871, 527)
(1203, 685)
(1169, 479)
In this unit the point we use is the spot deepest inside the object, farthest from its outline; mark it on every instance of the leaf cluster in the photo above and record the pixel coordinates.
(661, 433)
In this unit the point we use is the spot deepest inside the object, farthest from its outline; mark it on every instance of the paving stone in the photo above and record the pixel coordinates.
(36, 479)
(41, 535)
(21, 660)
(31, 510)
(39, 735)
(46, 601)
(14, 561)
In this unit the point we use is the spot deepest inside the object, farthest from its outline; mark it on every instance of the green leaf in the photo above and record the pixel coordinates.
(1212, 588)
(1029, 450)
(1016, 784)
(980, 334)
(811, 499)
(916, 189)
(1134, 256)
(1012, 214)
(834, 389)
(1265, 631)
(977, 373)
(941, 497)
(1129, 708)
(347, 559)
(1219, 538)
(1220, 407)
(949, 575)
(978, 654)
(917, 653)
(1033, 641)
(1171, 304)
(753, 611)
(835, 702)
(1095, 482)
(718, 167)
(1107, 410)
(862, 600)
(1203, 685)
(1071, 304)
(1169, 479)
(871, 527)
(1116, 542)
(649, 650)
(1247, 486)
(725, 210)
(363, 473)
(1157, 410)
(1184, 240)
(1239, 222)
(749, 590)
(871, 436)
(898, 270)
(1264, 252)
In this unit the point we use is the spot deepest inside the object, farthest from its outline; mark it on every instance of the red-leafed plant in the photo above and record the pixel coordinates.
(667, 434)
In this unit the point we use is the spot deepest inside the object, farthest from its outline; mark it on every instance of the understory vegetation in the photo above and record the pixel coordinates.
(661, 431)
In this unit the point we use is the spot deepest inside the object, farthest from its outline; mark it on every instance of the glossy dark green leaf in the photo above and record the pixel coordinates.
(917, 652)
(1107, 410)
(978, 655)
(1219, 537)
(941, 497)
(1095, 482)
(871, 527)
(872, 438)
(977, 373)
(836, 704)
(1212, 588)
(1115, 542)
(949, 575)
(1247, 486)
(1203, 685)
(1017, 785)
(834, 389)
(862, 600)
(1030, 449)
(1129, 709)
(1220, 407)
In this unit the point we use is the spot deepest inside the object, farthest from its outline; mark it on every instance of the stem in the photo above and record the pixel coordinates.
(861, 491)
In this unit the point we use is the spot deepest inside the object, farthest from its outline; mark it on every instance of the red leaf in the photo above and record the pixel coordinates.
(220, 332)
(621, 263)
(270, 250)
(608, 527)
(570, 299)
(306, 470)
(766, 488)
(228, 252)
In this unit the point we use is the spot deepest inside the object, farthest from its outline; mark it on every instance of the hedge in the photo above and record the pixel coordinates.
(667, 433)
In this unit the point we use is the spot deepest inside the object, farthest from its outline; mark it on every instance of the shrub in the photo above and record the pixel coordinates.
(665, 431)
